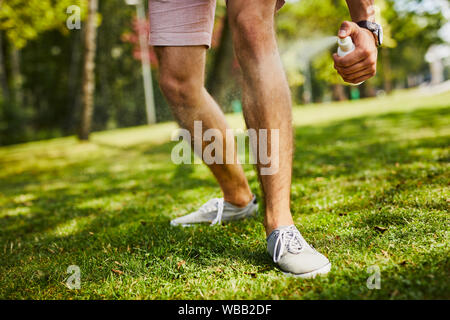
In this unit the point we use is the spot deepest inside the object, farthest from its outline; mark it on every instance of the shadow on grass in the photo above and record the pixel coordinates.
(120, 217)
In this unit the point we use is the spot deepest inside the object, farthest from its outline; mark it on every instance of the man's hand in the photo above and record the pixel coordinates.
(361, 64)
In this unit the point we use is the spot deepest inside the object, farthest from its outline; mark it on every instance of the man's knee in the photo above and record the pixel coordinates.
(178, 89)
(181, 72)
(253, 33)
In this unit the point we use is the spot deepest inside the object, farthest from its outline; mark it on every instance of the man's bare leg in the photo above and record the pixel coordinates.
(266, 97)
(267, 105)
(182, 72)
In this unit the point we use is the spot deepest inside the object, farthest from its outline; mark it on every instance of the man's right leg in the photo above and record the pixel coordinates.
(182, 70)
(267, 105)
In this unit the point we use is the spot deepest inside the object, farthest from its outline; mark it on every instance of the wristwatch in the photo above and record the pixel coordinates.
(373, 27)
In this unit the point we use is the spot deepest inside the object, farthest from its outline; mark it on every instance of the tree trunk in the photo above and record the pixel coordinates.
(219, 83)
(88, 71)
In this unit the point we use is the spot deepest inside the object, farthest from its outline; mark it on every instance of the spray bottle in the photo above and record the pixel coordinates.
(345, 46)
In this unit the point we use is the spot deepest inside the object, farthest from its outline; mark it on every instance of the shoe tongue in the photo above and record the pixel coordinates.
(289, 232)
(293, 240)
(278, 230)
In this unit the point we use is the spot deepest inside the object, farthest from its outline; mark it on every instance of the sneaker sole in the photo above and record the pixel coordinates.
(310, 275)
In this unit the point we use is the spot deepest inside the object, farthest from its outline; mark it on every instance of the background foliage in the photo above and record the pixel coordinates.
(41, 62)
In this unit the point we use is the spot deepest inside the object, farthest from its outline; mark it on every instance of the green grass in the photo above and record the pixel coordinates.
(370, 187)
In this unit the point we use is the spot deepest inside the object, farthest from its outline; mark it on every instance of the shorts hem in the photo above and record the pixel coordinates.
(180, 39)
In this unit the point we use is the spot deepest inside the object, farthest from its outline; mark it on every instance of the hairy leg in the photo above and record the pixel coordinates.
(182, 72)
(266, 97)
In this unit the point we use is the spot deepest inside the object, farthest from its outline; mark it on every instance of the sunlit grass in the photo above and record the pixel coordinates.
(370, 187)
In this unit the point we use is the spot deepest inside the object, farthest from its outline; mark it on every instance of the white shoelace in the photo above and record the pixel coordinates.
(211, 205)
(289, 239)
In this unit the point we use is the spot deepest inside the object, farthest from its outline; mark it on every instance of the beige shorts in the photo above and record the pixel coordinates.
(183, 22)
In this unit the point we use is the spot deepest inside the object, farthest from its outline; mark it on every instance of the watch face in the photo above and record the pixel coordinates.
(378, 30)
(372, 26)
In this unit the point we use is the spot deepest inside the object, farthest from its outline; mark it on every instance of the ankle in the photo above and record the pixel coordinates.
(274, 223)
(239, 199)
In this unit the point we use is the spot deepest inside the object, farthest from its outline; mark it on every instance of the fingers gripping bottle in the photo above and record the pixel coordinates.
(345, 46)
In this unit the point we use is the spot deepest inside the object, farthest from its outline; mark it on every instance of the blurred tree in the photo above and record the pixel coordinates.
(413, 31)
(21, 23)
(24, 20)
(49, 59)
(88, 71)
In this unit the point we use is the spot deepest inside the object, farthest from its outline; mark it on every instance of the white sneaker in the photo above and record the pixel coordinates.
(215, 211)
(294, 255)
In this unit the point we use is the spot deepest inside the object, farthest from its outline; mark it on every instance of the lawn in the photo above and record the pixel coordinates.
(370, 188)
